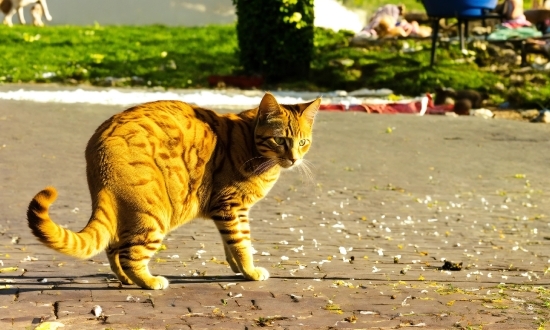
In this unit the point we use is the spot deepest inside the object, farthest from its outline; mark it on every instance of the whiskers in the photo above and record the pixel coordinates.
(264, 166)
(257, 169)
(251, 159)
(305, 170)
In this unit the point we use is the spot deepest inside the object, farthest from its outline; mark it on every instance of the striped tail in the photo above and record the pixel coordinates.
(91, 240)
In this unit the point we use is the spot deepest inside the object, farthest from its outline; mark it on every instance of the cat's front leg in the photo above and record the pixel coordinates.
(230, 260)
(234, 228)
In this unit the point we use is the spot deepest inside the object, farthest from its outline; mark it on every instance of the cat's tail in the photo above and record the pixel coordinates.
(91, 240)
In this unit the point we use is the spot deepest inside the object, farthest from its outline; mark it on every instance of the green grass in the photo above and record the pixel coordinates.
(159, 56)
(180, 57)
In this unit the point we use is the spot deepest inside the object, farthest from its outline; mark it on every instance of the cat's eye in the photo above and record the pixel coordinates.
(302, 142)
(279, 140)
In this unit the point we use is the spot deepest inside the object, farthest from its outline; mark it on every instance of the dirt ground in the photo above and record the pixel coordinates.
(510, 114)
(362, 245)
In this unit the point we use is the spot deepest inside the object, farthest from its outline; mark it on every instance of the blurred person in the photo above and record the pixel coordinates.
(388, 21)
(388, 27)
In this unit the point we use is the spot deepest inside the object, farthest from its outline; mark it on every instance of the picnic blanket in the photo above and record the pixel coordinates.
(413, 107)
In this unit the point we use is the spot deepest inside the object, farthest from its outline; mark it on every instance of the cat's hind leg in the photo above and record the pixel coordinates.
(137, 245)
(112, 255)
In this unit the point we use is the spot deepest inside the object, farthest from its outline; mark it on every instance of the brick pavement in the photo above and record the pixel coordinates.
(360, 246)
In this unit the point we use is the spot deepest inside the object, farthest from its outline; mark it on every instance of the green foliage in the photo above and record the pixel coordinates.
(275, 37)
(179, 57)
(337, 66)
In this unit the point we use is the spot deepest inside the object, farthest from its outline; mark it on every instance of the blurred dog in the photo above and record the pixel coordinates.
(10, 7)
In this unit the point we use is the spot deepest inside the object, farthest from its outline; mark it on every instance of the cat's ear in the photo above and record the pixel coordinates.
(269, 107)
(311, 110)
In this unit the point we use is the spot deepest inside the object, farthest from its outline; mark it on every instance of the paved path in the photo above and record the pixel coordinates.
(359, 246)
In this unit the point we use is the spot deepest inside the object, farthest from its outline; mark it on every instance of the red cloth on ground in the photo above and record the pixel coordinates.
(413, 107)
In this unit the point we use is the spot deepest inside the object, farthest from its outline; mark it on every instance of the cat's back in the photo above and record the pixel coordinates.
(168, 122)
(164, 134)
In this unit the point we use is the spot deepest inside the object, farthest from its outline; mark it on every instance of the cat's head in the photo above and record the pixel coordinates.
(284, 132)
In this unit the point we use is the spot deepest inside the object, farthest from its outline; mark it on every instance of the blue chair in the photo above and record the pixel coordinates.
(463, 10)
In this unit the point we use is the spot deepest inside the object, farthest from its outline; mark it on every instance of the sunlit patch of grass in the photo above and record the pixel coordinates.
(184, 57)
(91, 54)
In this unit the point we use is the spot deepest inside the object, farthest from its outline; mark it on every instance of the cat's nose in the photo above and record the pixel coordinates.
(289, 162)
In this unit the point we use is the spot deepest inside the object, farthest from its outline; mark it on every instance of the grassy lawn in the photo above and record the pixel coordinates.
(153, 55)
(180, 57)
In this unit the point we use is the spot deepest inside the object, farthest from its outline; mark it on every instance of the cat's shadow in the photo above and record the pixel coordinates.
(98, 282)
(90, 282)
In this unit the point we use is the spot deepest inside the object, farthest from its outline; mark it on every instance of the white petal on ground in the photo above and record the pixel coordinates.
(368, 313)
(96, 310)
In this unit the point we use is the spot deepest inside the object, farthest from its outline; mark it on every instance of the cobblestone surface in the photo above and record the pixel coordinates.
(362, 245)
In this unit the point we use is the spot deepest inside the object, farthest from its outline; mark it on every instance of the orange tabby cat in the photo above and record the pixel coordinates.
(158, 165)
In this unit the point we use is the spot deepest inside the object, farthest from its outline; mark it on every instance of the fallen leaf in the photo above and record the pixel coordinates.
(49, 326)
(8, 269)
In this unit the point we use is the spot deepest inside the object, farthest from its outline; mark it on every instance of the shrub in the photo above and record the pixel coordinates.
(275, 38)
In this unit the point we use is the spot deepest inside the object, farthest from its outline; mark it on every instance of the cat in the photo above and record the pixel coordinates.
(158, 165)
(10, 7)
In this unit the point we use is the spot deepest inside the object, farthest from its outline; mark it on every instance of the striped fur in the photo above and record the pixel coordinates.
(158, 165)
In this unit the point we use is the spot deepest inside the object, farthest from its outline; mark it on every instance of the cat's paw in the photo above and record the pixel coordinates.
(156, 283)
(257, 274)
